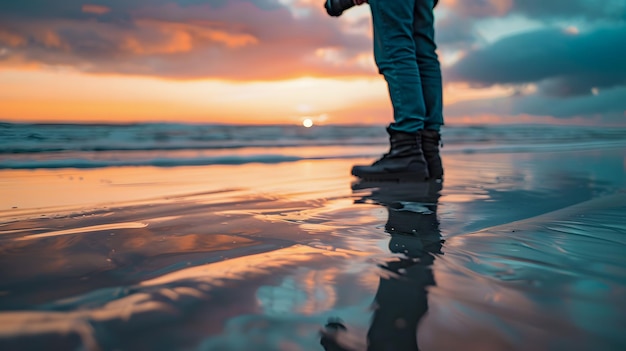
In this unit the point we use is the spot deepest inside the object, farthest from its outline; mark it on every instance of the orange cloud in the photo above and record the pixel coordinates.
(95, 9)
(174, 42)
(211, 31)
(230, 40)
(11, 39)
(51, 39)
(47, 37)
(175, 37)
(238, 40)
(458, 91)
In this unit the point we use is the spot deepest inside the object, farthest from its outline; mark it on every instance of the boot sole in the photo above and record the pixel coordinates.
(397, 177)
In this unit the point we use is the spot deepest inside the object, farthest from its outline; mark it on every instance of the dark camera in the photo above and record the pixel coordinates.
(336, 7)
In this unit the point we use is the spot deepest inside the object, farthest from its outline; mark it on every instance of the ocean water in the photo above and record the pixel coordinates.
(33, 146)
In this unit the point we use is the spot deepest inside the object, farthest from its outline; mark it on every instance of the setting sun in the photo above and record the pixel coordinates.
(308, 123)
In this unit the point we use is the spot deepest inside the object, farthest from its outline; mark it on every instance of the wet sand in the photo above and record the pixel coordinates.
(514, 251)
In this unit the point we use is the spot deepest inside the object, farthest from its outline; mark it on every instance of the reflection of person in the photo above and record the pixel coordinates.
(405, 53)
(401, 299)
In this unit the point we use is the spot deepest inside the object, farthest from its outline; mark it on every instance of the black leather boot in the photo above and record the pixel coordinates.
(431, 140)
(404, 161)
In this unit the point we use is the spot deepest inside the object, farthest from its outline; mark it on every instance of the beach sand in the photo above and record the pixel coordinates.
(514, 251)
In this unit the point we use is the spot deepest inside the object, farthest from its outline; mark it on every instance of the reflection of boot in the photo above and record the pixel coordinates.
(404, 161)
(405, 195)
(413, 234)
(430, 145)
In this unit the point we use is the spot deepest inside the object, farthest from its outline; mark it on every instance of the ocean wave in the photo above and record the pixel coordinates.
(96, 147)
(35, 146)
(156, 162)
(16, 138)
(173, 158)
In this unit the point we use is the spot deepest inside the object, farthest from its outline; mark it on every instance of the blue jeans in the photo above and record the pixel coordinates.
(404, 51)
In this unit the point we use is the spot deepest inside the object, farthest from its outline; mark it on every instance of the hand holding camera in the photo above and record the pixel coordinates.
(336, 7)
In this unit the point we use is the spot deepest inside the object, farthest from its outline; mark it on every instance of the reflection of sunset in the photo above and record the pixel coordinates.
(238, 268)
(275, 249)
(319, 287)
(27, 191)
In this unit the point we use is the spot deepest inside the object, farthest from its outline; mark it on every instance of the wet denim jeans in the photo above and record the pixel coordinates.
(404, 51)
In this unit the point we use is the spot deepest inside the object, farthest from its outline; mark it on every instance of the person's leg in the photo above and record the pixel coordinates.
(428, 63)
(395, 53)
(430, 75)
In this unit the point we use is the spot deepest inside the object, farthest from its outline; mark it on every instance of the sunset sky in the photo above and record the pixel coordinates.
(280, 61)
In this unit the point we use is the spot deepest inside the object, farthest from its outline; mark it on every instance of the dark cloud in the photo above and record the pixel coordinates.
(461, 19)
(570, 74)
(562, 63)
(455, 31)
(234, 39)
(73, 8)
(609, 105)
(586, 9)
